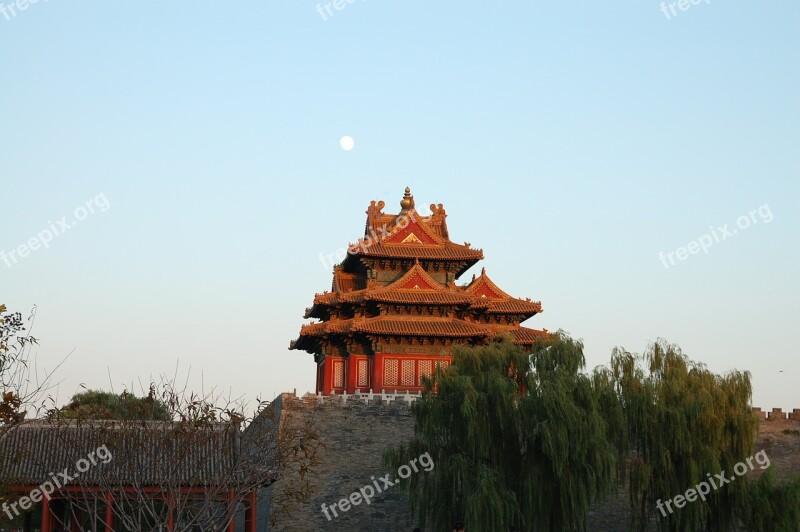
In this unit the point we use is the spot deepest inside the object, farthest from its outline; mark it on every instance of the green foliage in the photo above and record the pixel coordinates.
(765, 505)
(683, 422)
(97, 404)
(529, 440)
(791, 432)
(515, 444)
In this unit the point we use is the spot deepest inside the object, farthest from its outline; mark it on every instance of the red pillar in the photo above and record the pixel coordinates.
(46, 526)
(250, 513)
(232, 511)
(109, 512)
(327, 375)
(351, 374)
(170, 512)
(377, 372)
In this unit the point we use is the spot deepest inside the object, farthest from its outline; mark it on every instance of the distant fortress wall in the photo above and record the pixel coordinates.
(777, 414)
(406, 398)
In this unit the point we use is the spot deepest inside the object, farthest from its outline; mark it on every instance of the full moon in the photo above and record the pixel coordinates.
(347, 143)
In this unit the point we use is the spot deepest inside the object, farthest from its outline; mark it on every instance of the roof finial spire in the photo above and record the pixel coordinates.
(407, 203)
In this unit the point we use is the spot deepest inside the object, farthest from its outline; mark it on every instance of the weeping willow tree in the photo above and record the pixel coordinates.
(519, 440)
(684, 425)
(767, 505)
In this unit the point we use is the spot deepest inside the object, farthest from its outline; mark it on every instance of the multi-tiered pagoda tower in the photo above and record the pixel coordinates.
(394, 311)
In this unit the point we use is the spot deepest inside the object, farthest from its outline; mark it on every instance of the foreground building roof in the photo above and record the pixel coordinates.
(132, 452)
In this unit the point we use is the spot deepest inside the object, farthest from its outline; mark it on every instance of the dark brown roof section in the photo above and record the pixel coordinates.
(449, 251)
(525, 335)
(421, 297)
(126, 452)
(387, 326)
(515, 306)
(391, 326)
(499, 302)
(400, 291)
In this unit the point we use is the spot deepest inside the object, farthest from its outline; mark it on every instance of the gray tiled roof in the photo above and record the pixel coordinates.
(143, 452)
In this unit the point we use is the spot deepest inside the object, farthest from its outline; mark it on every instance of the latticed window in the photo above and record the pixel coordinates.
(442, 363)
(390, 371)
(425, 369)
(363, 366)
(338, 374)
(407, 375)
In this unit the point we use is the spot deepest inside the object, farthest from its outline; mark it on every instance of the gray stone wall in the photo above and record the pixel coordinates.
(358, 431)
(356, 434)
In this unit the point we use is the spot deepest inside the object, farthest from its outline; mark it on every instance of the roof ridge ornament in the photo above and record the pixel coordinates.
(407, 203)
(374, 213)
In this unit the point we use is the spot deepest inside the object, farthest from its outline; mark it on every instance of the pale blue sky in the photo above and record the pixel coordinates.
(573, 142)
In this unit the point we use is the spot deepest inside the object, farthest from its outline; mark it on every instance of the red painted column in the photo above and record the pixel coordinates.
(327, 375)
(370, 376)
(170, 512)
(377, 372)
(351, 374)
(109, 512)
(232, 522)
(46, 527)
(250, 513)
